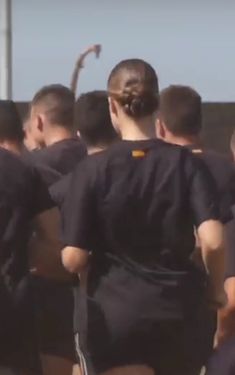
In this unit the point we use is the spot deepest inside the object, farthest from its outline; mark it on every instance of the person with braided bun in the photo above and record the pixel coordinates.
(128, 231)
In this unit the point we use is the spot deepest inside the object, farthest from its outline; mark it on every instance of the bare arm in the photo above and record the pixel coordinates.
(211, 236)
(74, 259)
(45, 247)
(226, 315)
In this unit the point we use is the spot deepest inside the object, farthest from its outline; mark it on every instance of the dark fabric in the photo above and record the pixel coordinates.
(230, 255)
(223, 360)
(61, 156)
(23, 195)
(59, 190)
(54, 301)
(54, 318)
(135, 206)
(223, 173)
(131, 326)
(19, 347)
(130, 203)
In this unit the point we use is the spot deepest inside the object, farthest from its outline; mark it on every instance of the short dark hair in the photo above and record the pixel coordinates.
(58, 101)
(10, 122)
(134, 84)
(92, 119)
(181, 110)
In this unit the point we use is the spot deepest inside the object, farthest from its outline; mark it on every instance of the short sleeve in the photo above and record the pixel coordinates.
(59, 190)
(203, 194)
(42, 200)
(228, 196)
(79, 209)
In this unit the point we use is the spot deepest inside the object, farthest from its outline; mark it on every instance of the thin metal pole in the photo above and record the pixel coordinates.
(6, 49)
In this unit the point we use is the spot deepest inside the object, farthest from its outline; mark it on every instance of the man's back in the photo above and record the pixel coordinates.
(61, 156)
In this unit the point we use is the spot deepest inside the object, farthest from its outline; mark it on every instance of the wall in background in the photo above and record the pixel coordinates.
(218, 124)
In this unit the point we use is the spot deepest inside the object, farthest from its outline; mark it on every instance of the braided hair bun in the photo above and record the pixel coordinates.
(134, 84)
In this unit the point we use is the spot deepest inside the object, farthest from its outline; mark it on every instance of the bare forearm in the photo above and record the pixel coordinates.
(211, 237)
(226, 322)
(226, 315)
(215, 266)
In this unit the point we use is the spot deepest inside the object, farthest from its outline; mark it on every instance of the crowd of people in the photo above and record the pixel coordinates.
(116, 233)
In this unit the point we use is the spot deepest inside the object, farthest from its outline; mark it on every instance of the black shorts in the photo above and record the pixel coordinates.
(223, 360)
(54, 318)
(18, 336)
(131, 322)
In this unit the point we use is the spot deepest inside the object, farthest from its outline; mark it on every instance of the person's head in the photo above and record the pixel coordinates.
(232, 144)
(133, 97)
(92, 120)
(52, 113)
(180, 114)
(11, 131)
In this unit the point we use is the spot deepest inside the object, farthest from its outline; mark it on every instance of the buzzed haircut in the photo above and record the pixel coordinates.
(92, 119)
(181, 110)
(10, 122)
(58, 103)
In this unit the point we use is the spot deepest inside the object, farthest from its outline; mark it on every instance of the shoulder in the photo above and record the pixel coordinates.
(72, 146)
(36, 157)
(217, 158)
(16, 178)
(90, 163)
(60, 186)
(219, 165)
(13, 166)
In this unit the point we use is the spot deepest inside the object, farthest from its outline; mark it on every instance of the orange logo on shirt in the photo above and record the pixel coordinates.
(138, 154)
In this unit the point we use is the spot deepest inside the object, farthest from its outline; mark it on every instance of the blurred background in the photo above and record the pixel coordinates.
(189, 42)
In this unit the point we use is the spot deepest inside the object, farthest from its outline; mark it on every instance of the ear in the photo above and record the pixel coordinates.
(40, 123)
(113, 109)
(112, 106)
(160, 129)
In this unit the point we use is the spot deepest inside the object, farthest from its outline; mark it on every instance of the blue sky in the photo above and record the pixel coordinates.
(187, 41)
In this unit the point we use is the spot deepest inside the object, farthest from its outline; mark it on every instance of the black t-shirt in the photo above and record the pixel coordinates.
(230, 242)
(223, 173)
(59, 190)
(136, 205)
(61, 156)
(135, 195)
(23, 195)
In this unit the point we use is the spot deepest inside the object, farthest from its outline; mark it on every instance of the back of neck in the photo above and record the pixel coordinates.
(185, 141)
(57, 134)
(138, 131)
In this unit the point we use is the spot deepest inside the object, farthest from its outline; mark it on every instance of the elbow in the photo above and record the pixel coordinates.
(70, 266)
(211, 236)
(73, 261)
